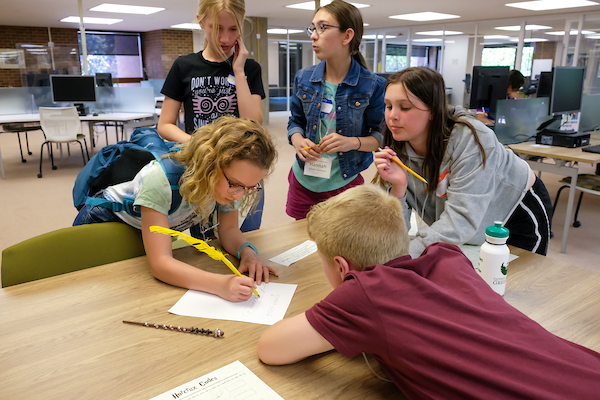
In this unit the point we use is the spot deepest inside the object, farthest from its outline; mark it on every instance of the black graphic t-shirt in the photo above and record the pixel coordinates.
(207, 89)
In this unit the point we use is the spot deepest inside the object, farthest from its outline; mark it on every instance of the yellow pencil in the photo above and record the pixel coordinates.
(400, 163)
(201, 245)
(308, 148)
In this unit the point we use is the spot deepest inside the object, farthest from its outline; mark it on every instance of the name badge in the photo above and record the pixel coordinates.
(320, 168)
(326, 106)
(231, 79)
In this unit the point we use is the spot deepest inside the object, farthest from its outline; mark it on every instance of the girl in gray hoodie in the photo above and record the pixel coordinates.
(473, 180)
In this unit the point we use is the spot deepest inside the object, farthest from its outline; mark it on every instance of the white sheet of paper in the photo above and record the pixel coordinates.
(472, 253)
(232, 382)
(294, 254)
(267, 309)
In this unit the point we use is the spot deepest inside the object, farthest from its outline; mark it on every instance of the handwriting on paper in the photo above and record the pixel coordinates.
(267, 309)
(294, 254)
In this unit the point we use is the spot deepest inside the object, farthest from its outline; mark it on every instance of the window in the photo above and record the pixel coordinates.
(506, 56)
(395, 57)
(115, 53)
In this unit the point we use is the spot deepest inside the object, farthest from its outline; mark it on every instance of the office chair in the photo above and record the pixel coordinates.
(24, 128)
(585, 183)
(69, 249)
(60, 125)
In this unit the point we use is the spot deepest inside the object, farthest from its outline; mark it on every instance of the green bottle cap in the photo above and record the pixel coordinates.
(497, 230)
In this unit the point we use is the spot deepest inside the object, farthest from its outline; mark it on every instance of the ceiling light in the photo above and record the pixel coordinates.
(593, 37)
(280, 31)
(90, 20)
(424, 16)
(529, 40)
(187, 25)
(123, 9)
(428, 40)
(518, 28)
(378, 36)
(573, 32)
(438, 33)
(542, 5)
(310, 5)
(496, 37)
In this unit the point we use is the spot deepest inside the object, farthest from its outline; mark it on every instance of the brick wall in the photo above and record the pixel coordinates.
(10, 36)
(161, 48)
(544, 50)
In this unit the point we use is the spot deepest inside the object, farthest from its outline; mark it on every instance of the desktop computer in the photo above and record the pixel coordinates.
(562, 139)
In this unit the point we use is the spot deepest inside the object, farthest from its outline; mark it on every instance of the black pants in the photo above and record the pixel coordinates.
(529, 224)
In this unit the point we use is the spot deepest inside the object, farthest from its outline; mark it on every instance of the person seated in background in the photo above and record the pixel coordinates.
(435, 327)
(516, 80)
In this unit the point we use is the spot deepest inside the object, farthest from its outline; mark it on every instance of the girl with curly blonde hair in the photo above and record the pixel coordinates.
(224, 163)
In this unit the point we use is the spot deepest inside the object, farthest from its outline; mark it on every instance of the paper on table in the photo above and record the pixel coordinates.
(472, 253)
(267, 309)
(232, 382)
(295, 253)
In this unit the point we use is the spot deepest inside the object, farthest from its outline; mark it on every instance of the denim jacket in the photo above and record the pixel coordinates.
(359, 110)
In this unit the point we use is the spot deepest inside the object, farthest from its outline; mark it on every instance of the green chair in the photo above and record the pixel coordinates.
(69, 249)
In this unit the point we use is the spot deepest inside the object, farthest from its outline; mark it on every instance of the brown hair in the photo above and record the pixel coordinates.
(364, 224)
(428, 86)
(348, 16)
(214, 147)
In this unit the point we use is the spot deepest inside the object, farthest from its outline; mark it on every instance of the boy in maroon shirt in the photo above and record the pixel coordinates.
(435, 327)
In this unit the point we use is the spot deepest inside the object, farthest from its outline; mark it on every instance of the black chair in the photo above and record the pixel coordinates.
(18, 128)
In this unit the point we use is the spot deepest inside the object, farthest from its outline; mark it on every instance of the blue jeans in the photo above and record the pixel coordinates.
(90, 214)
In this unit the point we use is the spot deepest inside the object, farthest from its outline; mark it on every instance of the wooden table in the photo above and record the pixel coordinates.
(562, 164)
(62, 337)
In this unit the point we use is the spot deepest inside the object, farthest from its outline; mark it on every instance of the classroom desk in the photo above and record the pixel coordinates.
(563, 159)
(63, 337)
(127, 119)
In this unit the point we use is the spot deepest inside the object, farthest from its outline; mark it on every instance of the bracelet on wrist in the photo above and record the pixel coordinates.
(359, 143)
(247, 244)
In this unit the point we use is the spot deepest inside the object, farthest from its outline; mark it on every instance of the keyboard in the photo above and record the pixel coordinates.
(592, 149)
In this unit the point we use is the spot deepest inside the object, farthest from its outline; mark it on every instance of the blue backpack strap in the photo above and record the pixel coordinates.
(173, 170)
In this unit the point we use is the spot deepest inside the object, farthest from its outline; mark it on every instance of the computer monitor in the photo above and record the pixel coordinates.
(544, 88)
(73, 89)
(104, 79)
(489, 85)
(567, 90)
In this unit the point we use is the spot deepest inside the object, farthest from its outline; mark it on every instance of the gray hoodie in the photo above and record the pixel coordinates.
(469, 197)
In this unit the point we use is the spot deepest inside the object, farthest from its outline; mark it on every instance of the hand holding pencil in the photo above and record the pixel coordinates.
(400, 163)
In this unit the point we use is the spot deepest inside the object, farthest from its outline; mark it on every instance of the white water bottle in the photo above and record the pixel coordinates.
(493, 257)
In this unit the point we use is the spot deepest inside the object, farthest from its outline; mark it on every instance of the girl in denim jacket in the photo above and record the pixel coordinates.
(337, 110)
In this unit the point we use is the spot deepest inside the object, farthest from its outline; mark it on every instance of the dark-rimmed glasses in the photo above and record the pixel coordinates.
(235, 188)
(319, 28)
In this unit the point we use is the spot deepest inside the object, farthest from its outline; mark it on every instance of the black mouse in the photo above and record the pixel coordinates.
(95, 114)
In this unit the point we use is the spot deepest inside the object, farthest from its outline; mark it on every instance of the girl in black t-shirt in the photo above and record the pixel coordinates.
(216, 81)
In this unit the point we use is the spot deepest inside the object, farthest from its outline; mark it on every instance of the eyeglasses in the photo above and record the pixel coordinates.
(235, 188)
(319, 28)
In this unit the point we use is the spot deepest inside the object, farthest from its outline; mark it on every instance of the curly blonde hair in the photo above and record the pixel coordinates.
(214, 147)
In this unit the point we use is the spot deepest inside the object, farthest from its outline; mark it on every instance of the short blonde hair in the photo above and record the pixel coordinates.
(364, 224)
(212, 8)
(214, 147)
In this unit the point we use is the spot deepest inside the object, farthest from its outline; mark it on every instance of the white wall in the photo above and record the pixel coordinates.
(455, 67)
(273, 63)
